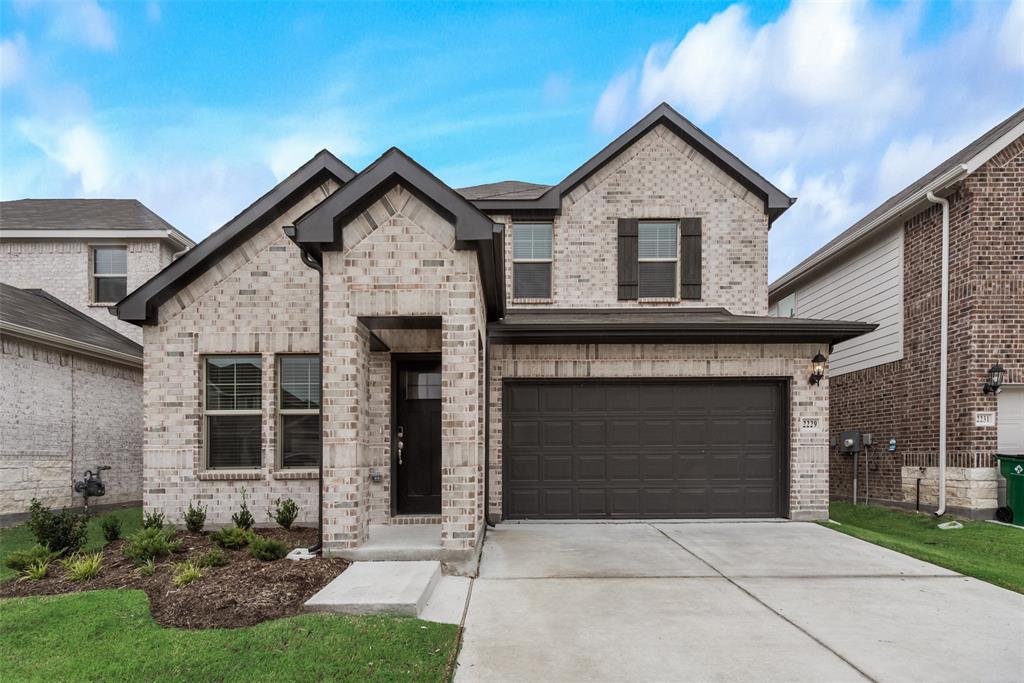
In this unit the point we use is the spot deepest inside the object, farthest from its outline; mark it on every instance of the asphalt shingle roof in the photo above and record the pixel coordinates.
(506, 189)
(79, 214)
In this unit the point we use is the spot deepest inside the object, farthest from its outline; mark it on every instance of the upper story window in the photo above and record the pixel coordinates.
(531, 260)
(658, 256)
(109, 274)
(233, 412)
(787, 306)
(299, 411)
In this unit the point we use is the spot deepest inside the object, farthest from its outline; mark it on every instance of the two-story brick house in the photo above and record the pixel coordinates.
(595, 349)
(887, 269)
(71, 373)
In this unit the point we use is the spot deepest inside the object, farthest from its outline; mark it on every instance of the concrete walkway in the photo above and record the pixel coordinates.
(727, 602)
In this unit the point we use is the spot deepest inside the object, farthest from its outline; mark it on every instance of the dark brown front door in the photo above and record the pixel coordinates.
(643, 449)
(417, 434)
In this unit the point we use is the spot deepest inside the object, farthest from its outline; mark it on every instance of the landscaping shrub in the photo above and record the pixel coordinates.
(147, 544)
(232, 537)
(61, 532)
(243, 519)
(214, 557)
(69, 560)
(111, 527)
(85, 567)
(267, 549)
(186, 572)
(195, 518)
(153, 520)
(284, 512)
(20, 560)
(35, 571)
(147, 568)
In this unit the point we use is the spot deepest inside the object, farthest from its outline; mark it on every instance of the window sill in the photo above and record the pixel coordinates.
(658, 300)
(296, 474)
(533, 301)
(231, 475)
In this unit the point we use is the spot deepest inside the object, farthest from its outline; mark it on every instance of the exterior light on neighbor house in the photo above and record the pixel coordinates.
(817, 368)
(995, 379)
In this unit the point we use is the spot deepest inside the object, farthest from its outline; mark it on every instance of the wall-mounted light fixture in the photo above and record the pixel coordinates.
(995, 379)
(817, 368)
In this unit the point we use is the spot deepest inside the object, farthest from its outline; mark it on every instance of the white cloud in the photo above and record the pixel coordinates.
(153, 12)
(1011, 35)
(79, 148)
(613, 105)
(13, 55)
(83, 22)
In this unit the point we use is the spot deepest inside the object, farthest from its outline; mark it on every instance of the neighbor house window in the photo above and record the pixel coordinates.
(109, 274)
(233, 412)
(531, 260)
(299, 411)
(658, 256)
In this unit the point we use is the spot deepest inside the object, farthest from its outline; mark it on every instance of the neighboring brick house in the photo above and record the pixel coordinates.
(70, 400)
(887, 269)
(595, 349)
(73, 382)
(89, 253)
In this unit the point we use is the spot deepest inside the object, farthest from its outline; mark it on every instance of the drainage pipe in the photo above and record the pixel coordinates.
(943, 349)
(312, 263)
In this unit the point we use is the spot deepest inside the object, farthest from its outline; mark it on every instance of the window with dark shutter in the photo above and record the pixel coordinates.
(657, 257)
(531, 260)
(233, 412)
(628, 265)
(690, 270)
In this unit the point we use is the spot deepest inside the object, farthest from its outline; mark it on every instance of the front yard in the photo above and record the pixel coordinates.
(986, 551)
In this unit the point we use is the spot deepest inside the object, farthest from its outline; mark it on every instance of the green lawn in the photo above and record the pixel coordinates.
(989, 552)
(20, 538)
(110, 636)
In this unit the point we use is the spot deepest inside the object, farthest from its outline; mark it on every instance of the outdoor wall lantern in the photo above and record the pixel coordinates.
(817, 368)
(995, 379)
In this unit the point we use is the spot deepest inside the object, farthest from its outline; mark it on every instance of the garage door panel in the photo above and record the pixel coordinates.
(653, 449)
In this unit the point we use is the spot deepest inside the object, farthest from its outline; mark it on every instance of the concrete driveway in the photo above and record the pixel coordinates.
(727, 601)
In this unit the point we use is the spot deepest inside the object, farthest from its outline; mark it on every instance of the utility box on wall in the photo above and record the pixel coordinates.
(849, 442)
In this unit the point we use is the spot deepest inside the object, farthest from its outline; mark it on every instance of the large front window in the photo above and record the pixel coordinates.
(233, 412)
(531, 260)
(299, 411)
(657, 243)
(109, 274)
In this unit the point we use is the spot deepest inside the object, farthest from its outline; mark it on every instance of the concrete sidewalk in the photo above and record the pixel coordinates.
(730, 602)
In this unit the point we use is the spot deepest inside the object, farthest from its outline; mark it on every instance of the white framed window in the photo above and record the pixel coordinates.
(531, 260)
(109, 274)
(233, 412)
(658, 257)
(298, 411)
(787, 306)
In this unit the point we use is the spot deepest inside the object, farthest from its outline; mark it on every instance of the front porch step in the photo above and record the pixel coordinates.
(379, 588)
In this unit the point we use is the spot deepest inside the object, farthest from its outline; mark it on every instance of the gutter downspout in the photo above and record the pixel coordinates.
(318, 546)
(943, 347)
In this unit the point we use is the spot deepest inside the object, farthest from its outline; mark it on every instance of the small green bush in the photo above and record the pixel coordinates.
(61, 532)
(243, 519)
(153, 520)
(186, 572)
(111, 527)
(232, 537)
(195, 518)
(214, 557)
(35, 571)
(85, 567)
(267, 549)
(284, 512)
(69, 560)
(147, 544)
(20, 560)
(147, 568)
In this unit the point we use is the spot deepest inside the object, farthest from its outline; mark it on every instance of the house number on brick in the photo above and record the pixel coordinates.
(809, 424)
(986, 419)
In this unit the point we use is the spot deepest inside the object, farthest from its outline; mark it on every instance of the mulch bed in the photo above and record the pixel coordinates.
(243, 592)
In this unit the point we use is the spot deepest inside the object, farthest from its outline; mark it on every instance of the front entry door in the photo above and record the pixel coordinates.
(417, 437)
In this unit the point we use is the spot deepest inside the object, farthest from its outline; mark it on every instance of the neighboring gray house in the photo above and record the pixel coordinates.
(71, 373)
(599, 348)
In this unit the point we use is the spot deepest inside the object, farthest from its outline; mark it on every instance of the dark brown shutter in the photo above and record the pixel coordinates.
(628, 255)
(689, 238)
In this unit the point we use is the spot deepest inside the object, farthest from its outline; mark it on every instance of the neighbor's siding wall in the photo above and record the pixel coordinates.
(62, 268)
(808, 457)
(866, 286)
(60, 414)
(659, 176)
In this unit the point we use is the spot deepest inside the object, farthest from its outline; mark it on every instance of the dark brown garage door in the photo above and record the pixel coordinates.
(642, 449)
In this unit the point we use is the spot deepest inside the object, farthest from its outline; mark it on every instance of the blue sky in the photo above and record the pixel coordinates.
(197, 109)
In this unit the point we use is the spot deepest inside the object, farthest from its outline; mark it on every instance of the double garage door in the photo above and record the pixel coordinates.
(643, 449)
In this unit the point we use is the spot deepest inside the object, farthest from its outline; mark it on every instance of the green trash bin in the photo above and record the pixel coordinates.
(1012, 467)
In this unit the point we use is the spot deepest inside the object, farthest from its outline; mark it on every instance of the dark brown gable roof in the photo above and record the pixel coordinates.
(38, 315)
(775, 200)
(140, 307)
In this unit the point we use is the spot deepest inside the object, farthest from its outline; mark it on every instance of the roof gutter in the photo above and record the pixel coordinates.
(943, 348)
(788, 281)
(68, 344)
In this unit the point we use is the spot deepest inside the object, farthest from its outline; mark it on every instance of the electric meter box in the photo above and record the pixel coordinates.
(849, 442)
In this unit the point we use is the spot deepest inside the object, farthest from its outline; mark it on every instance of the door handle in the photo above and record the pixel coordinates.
(401, 443)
